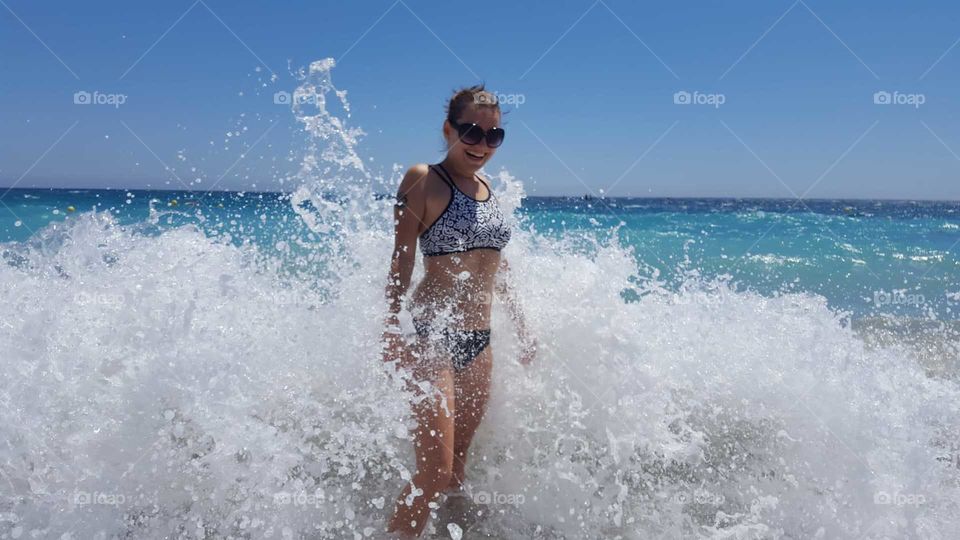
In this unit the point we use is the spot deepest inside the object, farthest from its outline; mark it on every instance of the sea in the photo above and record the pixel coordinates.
(190, 364)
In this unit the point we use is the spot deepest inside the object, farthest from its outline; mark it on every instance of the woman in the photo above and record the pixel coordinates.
(461, 229)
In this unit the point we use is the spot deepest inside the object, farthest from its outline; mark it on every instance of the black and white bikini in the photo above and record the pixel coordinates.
(464, 225)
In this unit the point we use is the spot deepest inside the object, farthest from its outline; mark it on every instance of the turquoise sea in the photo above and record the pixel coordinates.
(870, 258)
(208, 365)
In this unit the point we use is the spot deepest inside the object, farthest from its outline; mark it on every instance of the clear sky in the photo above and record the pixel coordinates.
(786, 92)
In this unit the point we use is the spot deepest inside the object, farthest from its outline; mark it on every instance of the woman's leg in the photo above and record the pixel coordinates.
(471, 392)
(433, 446)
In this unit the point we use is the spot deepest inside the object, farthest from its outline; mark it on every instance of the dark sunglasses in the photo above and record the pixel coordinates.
(472, 134)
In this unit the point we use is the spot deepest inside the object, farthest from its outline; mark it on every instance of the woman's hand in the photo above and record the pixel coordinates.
(528, 344)
(391, 342)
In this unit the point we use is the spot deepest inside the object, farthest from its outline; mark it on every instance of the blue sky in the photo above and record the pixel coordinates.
(597, 78)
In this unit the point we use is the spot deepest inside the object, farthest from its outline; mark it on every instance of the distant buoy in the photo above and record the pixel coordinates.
(71, 209)
(173, 202)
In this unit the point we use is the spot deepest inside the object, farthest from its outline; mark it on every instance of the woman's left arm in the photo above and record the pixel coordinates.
(506, 292)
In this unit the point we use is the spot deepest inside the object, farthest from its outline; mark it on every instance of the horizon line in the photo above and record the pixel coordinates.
(585, 196)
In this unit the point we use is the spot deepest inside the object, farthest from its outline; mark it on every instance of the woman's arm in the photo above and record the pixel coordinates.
(506, 292)
(408, 214)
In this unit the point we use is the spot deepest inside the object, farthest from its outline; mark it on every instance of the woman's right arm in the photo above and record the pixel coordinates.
(408, 212)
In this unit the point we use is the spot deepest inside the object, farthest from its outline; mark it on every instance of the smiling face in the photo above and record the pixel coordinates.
(469, 157)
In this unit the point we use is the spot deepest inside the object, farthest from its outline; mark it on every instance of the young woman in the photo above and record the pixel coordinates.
(451, 211)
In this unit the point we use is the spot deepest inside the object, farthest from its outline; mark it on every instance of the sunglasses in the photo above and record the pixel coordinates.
(472, 134)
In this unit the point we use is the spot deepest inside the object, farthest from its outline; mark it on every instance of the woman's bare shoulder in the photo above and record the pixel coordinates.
(420, 181)
(415, 179)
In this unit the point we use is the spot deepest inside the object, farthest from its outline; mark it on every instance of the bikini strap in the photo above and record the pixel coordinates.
(445, 176)
(484, 182)
(449, 180)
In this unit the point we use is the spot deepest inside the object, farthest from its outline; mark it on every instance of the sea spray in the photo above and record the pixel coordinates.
(176, 383)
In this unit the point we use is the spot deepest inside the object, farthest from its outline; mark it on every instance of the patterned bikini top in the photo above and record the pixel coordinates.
(465, 223)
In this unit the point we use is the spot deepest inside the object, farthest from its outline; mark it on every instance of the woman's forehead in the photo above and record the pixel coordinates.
(486, 117)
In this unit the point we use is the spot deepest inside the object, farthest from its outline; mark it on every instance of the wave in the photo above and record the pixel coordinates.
(175, 383)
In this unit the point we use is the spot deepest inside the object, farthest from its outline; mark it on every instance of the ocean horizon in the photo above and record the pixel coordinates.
(211, 364)
(552, 196)
(855, 253)
(224, 337)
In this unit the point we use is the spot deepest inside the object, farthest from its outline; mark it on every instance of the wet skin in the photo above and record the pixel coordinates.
(456, 293)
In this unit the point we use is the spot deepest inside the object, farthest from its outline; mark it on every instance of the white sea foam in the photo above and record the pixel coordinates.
(776, 260)
(176, 385)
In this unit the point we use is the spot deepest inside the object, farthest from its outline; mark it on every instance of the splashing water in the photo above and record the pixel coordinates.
(176, 384)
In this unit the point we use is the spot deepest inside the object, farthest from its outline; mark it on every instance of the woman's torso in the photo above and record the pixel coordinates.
(461, 238)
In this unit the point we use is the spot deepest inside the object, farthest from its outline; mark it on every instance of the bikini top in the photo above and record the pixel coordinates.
(465, 223)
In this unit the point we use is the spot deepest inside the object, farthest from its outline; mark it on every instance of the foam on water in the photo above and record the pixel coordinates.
(175, 384)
